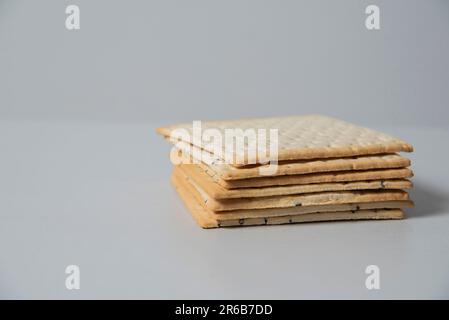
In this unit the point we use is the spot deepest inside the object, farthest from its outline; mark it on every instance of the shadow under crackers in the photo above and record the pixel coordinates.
(429, 200)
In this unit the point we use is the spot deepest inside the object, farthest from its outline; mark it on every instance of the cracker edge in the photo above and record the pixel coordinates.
(202, 218)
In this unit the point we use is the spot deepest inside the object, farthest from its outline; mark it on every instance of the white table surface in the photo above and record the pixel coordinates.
(97, 195)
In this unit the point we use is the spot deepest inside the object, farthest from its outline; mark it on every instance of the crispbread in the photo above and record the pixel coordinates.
(319, 198)
(279, 212)
(325, 177)
(383, 214)
(204, 218)
(216, 191)
(353, 208)
(229, 172)
(388, 161)
(306, 137)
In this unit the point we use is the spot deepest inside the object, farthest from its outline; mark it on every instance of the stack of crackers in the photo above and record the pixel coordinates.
(326, 169)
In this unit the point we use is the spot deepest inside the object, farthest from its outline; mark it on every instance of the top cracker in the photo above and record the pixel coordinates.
(306, 137)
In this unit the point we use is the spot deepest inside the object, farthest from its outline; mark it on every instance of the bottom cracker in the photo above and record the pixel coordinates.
(278, 212)
(205, 218)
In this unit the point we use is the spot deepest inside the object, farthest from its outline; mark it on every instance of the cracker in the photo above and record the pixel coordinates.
(276, 212)
(319, 198)
(216, 191)
(383, 214)
(270, 212)
(307, 137)
(204, 218)
(326, 177)
(284, 212)
(229, 172)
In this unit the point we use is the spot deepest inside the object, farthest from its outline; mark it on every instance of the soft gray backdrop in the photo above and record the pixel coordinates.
(165, 61)
(85, 180)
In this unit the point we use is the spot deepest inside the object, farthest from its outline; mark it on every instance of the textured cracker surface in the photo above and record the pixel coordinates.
(216, 191)
(307, 137)
(205, 219)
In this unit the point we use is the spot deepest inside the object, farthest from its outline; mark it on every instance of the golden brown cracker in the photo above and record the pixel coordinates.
(204, 218)
(216, 191)
(304, 137)
(320, 198)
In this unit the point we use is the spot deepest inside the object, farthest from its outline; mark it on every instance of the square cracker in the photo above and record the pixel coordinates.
(319, 198)
(281, 212)
(204, 218)
(305, 137)
(229, 172)
(321, 177)
(216, 191)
